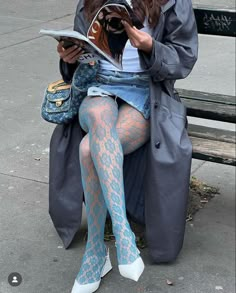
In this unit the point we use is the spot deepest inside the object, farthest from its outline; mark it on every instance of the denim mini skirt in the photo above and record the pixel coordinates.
(132, 88)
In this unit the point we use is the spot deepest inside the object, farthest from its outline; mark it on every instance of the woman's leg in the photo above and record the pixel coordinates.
(99, 117)
(96, 211)
(132, 128)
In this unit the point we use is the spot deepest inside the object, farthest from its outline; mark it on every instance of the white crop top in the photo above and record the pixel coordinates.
(130, 61)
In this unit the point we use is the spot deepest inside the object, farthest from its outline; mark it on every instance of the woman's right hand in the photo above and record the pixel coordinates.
(71, 54)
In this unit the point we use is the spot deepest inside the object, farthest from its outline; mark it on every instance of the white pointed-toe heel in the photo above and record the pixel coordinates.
(132, 271)
(92, 287)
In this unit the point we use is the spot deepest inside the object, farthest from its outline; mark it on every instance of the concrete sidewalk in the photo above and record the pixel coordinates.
(29, 244)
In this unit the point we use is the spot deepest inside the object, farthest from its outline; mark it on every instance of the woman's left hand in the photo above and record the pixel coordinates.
(138, 39)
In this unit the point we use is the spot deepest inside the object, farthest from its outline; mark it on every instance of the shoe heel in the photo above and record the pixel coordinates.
(132, 271)
(92, 287)
(107, 266)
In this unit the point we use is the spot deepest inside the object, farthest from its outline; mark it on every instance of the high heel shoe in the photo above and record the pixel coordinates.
(132, 271)
(92, 287)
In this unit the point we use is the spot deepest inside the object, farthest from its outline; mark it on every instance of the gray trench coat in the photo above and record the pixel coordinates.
(156, 175)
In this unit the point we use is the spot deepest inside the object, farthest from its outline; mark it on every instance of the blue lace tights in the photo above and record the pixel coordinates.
(110, 134)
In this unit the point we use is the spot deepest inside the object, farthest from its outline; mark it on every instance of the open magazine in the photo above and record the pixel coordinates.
(106, 37)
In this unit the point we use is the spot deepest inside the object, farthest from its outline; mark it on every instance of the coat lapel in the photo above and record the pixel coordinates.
(158, 31)
(167, 6)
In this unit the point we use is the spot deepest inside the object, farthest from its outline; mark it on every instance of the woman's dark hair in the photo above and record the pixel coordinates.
(142, 9)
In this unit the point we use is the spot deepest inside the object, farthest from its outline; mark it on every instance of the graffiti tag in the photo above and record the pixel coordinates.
(219, 22)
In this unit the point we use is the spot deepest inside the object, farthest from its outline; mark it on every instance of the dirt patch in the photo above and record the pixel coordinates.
(200, 195)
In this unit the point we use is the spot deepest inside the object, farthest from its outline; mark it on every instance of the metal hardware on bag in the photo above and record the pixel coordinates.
(57, 86)
(59, 103)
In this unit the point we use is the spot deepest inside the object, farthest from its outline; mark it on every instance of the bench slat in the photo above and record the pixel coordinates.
(209, 111)
(214, 151)
(211, 133)
(209, 106)
(208, 97)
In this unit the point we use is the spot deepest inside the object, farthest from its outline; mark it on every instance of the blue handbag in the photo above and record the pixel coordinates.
(62, 100)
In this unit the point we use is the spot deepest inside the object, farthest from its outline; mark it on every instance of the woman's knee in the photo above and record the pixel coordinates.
(98, 111)
(84, 149)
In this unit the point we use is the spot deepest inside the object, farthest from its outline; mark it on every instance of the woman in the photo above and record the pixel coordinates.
(118, 117)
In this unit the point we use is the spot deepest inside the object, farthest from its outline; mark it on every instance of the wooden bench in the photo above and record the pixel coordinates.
(212, 144)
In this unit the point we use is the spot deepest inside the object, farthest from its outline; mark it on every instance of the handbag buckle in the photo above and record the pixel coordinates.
(59, 103)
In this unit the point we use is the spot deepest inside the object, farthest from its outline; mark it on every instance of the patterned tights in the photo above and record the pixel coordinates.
(111, 133)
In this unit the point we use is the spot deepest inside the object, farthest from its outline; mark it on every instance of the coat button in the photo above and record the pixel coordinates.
(157, 145)
(155, 105)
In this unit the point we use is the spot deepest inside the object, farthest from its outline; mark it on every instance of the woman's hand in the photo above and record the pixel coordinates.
(71, 54)
(138, 39)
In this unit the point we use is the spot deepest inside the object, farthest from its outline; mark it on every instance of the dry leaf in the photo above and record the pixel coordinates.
(169, 282)
(204, 201)
(189, 218)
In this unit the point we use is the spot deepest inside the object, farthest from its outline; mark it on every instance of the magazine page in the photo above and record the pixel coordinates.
(107, 32)
(128, 4)
(91, 51)
(106, 37)
(61, 35)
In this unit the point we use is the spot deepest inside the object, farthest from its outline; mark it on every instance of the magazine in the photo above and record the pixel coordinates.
(106, 37)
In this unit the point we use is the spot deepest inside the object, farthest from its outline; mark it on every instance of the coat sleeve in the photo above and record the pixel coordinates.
(175, 56)
(67, 70)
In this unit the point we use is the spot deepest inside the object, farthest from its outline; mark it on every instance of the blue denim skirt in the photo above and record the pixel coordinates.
(132, 88)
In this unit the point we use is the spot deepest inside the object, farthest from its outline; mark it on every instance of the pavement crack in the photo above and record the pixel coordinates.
(60, 17)
(38, 21)
(31, 39)
(25, 41)
(19, 43)
(197, 168)
(24, 178)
